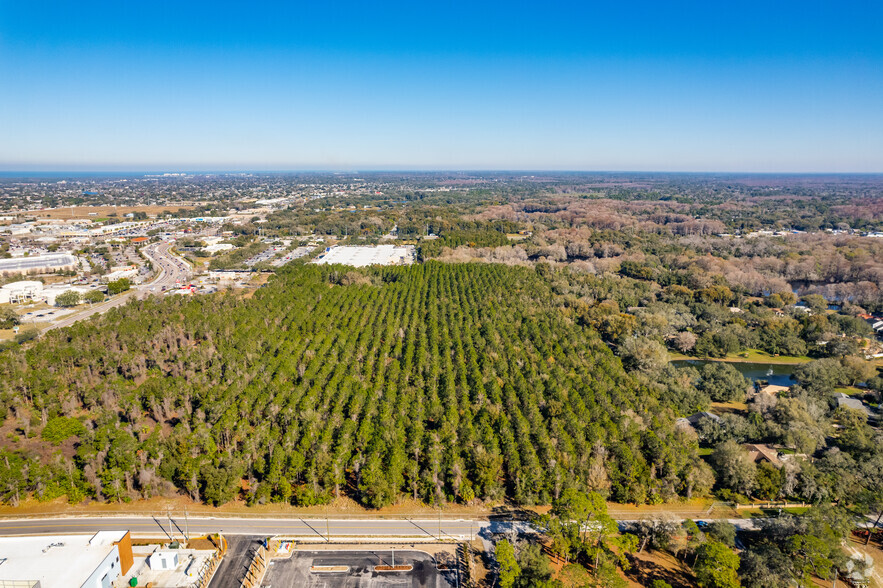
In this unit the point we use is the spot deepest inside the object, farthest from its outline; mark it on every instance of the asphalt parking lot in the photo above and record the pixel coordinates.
(265, 255)
(295, 571)
(236, 561)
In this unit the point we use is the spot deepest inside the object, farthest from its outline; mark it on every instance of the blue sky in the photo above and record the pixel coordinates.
(655, 85)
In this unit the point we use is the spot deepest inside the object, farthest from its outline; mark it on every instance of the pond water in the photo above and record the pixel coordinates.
(776, 374)
(803, 287)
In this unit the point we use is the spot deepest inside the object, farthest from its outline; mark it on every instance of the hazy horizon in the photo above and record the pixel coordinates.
(392, 170)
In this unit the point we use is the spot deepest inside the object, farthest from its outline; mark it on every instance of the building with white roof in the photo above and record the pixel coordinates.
(129, 272)
(361, 256)
(124, 226)
(38, 264)
(216, 247)
(50, 293)
(65, 561)
(19, 292)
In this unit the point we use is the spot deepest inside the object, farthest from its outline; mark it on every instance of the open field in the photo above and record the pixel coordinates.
(724, 407)
(9, 334)
(850, 390)
(96, 212)
(749, 356)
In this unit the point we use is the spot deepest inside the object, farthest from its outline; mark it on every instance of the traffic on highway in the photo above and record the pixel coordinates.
(172, 271)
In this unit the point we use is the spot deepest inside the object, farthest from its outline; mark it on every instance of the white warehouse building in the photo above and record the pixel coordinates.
(19, 292)
(65, 561)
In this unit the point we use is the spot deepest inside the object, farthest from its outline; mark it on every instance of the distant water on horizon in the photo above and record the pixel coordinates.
(60, 175)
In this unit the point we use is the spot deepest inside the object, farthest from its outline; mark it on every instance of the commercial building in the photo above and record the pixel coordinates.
(119, 274)
(125, 226)
(65, 561)
(50, 293)
(38, 264)
(364, 256)
(216, 247)
(230, 275)
(19, 292)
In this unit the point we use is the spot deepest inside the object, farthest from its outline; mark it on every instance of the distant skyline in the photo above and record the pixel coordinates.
(664, 86)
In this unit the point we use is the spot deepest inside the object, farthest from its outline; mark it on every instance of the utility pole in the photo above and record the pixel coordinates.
(186, 526)
(439, 523)
(171, 535)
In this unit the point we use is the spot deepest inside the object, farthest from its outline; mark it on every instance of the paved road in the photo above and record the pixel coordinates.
(314, 528)
(171, 270)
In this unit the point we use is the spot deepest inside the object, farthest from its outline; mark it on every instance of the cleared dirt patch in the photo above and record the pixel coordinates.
(657, 565)
(92, 212)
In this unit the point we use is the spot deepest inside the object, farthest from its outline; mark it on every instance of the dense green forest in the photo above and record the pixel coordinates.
(437, 381)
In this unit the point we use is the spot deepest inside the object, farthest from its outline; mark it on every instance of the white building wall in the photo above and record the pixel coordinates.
(106, 572)
(50, 294)
(19, 292)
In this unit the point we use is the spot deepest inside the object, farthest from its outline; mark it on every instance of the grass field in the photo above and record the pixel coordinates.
(750, 356)
(9, 334)
(723, 407)
(850, 390)
(99, 212)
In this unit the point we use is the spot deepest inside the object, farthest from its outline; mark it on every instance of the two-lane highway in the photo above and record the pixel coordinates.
(322, 529)
(315, 528)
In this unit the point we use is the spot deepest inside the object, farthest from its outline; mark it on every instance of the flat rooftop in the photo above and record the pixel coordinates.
(362, 256)
(190, 563)
(37, 261)
(57, 561)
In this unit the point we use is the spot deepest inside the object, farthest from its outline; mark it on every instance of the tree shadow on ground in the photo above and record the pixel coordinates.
(644, 570)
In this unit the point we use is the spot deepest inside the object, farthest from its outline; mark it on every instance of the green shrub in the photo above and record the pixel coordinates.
(60, 428)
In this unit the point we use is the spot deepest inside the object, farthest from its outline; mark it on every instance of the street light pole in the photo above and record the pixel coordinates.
(327, 527)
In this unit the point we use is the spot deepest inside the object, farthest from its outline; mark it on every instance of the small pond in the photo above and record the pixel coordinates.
(777, 374)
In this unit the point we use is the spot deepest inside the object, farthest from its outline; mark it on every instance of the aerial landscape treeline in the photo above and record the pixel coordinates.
(559, 341)
(443, 382)
(529, 352)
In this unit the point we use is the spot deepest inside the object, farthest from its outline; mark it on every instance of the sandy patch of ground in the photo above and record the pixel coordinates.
(83, 212)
